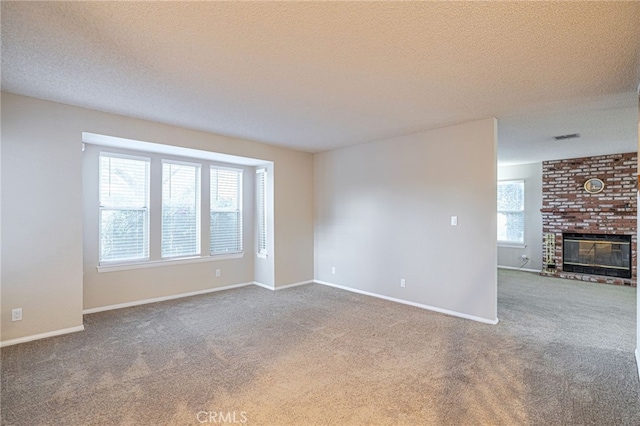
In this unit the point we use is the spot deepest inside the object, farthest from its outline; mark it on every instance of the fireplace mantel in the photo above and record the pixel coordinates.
(547, 211)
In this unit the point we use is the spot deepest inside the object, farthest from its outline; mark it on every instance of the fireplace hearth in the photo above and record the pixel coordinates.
(597, 254)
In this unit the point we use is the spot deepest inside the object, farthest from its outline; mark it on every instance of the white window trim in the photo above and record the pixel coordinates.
(239, 209)
(181, 163)
(198, 167)
(506, 244)
(233, 169)
(143, 263)
(511, 243)
(125, 156)
(165, 262)
(262, 253)
(102, 207)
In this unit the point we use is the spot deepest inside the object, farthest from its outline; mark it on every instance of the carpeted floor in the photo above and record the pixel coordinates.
(562, 354)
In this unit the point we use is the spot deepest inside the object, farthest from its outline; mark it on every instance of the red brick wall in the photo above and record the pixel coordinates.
(567, 207)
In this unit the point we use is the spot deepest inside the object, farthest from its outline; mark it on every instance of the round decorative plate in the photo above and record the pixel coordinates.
(594, 185)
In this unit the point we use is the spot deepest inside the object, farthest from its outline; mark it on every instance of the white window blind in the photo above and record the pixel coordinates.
(226, 210)
(124, 208)
(511, 211)
(180, 209)
(261, 210)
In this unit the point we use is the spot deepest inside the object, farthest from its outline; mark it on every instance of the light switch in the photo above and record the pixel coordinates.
(454, 220)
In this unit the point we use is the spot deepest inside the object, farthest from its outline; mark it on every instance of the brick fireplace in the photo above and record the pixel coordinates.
(596, 224)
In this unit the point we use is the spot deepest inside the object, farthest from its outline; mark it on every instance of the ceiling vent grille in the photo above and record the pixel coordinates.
(565, 137)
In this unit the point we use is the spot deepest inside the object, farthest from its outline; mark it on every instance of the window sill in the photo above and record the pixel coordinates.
(261, 255)
(512, 245)
(166, 262)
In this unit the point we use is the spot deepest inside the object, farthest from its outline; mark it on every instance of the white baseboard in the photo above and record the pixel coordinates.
(417, 305)
(638, 361)
(282, 287)
(41, 336)
(513, 268)
(161, 299)
(268, 287)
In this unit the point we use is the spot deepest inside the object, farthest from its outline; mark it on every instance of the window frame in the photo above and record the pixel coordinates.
(198, 207)
(239, 208)
(513, 243)
(147, 216)
(154, 218)
(261, 213)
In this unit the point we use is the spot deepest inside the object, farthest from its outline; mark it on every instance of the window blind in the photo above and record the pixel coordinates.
(180, 209)
(124, 212)
(226, 210)
(261, 209)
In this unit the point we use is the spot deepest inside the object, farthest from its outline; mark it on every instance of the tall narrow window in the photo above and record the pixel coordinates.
(124, 208)
(226, 210)
(180, 209)
(261, 210)
(511, 212)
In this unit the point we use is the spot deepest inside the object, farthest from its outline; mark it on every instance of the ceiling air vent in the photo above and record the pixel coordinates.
(565, 137)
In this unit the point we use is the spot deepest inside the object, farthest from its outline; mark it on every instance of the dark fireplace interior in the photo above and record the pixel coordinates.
(597, 254)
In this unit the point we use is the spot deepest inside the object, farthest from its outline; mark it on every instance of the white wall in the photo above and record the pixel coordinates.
(42, 256)
(511, 256)
(41, 220)
(264, 266)
(383, 212)
(293, 212)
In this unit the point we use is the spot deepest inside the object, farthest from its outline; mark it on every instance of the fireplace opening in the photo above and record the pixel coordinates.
(597, 254)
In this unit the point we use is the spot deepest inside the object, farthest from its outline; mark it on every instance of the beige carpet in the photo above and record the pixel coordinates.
(313, 355)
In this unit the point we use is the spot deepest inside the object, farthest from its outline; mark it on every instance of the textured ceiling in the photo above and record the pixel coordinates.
(320, 75)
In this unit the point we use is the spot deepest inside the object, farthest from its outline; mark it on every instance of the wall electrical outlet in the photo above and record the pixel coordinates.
(16, 314)
(218, 273)
(333, 270)
(403, 282)
(454, 220)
